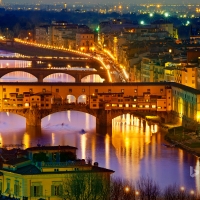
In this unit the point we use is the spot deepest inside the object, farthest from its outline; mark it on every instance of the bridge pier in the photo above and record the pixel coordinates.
(33, 118)
(34, 63)
(104, 122)
(40, 78)
(78, 78)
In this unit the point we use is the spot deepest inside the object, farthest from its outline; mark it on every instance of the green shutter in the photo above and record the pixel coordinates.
(32, 191)
(52, 190)
(41, 190)
(60, 190)
(0, 187)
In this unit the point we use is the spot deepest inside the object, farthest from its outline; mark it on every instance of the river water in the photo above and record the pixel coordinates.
(131, 151)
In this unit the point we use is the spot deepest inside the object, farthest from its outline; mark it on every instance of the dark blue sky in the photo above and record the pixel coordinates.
(103, 1)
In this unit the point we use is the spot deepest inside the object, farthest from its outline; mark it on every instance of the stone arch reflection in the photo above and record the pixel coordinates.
(92, 78)
(18, 76)
(59, 77)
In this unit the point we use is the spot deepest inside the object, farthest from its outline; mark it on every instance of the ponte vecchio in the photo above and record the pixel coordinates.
(105, 101)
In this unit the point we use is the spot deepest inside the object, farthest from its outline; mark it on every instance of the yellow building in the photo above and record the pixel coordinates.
(152, 69)
(85, 41)
(183, 73)
(26, 178)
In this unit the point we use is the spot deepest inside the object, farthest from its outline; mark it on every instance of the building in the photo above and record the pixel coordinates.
(85, 41)
(43, 173)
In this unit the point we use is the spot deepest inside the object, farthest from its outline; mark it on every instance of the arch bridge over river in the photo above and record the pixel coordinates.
(105, 101)
(40, 74)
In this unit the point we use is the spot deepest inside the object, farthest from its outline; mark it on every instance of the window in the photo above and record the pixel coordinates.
(57, 90)
(148, 90)
(16, 188)
(109, 90)
(70, 90)
(36, 189)
(43, 90)
(56, 188)
(30, 90)
(96, 90)
(192, 81)
(17, 89)
(4, 89)
(135, 90)
(7, 185)
(83, 90)
(161, 90)
(122, 90)
(94, 105)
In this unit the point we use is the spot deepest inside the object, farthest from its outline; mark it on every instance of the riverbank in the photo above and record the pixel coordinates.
(184, 139)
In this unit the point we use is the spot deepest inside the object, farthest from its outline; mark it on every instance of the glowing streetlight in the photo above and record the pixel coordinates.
(137, 193)
(166, 14)
(151, 14)
(142, 22)
(182, 188)
(127, 189)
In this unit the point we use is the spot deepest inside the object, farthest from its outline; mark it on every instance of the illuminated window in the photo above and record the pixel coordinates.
(153, 106)
(122, 90)
(114, 105)
(30, 90)
(83, 90)
(161, 90)
(107, 105)
(127, 105)
(159, 107)
(120, 105)
(26, 104)
(146, 106)
(134, 106)
(140, 106)
(43, 90)
(135, 90)
(134, 99)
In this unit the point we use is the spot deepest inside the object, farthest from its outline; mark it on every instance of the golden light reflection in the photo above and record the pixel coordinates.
(49, 117)
(130, 138)
(1, 141)
(26, 140)
(197, 178)
(107, 151)
(83, 145)
(53, 138)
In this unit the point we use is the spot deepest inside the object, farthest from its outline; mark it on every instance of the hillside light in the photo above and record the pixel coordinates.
(151, 14)
(142, 22)
(166, 14)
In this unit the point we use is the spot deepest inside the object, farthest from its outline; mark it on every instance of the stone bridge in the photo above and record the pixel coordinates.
(103, 117)
(54, 60)
(40, 74)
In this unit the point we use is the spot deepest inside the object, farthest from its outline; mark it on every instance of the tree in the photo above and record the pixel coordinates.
(39, 157)
(122, 190)
(148, 189)
(82, 185)
(65, 156)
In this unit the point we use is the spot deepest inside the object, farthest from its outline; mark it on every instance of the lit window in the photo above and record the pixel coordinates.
(134, 106)
(127, 105)
(120, 105)
(153, 106)
(146, 106)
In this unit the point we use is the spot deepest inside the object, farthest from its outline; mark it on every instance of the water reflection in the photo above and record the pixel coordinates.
(133, 149)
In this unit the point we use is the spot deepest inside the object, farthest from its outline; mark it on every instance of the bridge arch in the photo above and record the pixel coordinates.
(93, 78)
(70, 98)
(25, 75)
(59, 77)
(82, 99)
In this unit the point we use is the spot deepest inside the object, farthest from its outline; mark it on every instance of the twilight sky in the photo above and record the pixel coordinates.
(103, 1)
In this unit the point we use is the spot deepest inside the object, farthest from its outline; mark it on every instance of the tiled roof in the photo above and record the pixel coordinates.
(16, 161)
(50, 148)
(32, 169)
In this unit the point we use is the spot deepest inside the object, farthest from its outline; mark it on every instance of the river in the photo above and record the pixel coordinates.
(131, 151)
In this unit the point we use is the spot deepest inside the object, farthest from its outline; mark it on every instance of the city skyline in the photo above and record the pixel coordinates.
(97, 2)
